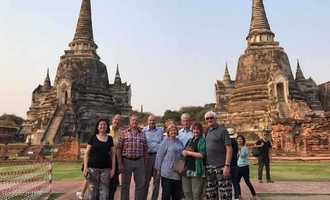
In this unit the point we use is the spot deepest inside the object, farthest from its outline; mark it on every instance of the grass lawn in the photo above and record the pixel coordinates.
(65, 171)
(55, 196)
(296, 171)
(280, 171)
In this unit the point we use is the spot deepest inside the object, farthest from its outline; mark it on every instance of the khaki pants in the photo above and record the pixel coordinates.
(193, 187)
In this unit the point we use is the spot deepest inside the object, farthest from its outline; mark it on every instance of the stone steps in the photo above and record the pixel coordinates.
(54, 127)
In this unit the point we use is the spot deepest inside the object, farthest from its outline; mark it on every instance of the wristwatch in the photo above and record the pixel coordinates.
(227, 165)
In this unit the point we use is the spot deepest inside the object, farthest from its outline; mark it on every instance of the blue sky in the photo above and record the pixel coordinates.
(171, 51)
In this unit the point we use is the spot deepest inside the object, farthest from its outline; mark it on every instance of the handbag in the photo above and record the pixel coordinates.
(180, 166)
(256, 151)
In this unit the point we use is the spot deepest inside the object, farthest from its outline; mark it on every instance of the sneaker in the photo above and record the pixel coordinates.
(79, 195)
(270, 181)
(260, 181)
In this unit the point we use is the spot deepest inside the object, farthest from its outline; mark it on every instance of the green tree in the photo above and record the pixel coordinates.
(169, 114)
(11, 120)
(197, 112)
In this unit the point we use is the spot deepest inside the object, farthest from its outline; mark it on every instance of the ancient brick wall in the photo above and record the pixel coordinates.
(69, 150)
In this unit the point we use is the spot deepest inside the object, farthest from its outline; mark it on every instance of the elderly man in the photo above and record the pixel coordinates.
(185, 132)
(154, 137)
(132, 152)
(114, 133)
(219, 154)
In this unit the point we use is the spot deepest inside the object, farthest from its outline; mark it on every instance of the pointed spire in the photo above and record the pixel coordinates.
(84, 30)
(259, 28)
(117, 77)
(259, 19)
(299, 73)
(226, 76)
(47, 79)
(83, 42)
(47, 83)
(117, 71)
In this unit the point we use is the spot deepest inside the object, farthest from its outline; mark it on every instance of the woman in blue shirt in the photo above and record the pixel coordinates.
(168, 152)
(243, 166)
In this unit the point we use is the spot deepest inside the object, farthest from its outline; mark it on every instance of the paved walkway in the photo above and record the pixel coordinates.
(265, 191)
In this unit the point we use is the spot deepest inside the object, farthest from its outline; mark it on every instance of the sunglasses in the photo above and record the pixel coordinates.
(209, 118)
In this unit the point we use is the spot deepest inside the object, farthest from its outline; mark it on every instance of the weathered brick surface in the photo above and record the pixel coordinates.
(266, 97)
(81, 93)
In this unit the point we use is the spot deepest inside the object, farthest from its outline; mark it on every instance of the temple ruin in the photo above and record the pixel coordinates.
(265, 97)
(80, 95)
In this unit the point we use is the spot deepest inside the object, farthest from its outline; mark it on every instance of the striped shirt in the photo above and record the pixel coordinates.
(133, 143)
(169, 151)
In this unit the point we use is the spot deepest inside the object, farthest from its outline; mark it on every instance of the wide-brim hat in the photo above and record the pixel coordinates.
(232, 133)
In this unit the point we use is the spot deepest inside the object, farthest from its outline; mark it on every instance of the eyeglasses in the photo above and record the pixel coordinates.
(209, 118)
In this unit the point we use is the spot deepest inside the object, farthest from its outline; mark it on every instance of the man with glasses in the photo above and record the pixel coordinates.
(219, 155)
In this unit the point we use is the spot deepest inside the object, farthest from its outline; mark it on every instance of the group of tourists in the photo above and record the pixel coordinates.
(189, 163)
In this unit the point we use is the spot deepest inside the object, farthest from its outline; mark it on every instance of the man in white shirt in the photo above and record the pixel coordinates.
(185, 132)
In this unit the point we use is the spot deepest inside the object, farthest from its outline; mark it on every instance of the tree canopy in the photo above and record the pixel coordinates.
(11, 120)
(196, 112)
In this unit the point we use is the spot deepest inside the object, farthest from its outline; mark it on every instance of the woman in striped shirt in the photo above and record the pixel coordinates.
(169, 152)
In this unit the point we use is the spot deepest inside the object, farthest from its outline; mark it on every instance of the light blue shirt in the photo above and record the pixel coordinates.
(243, 157)
(154, 138)
(170, 150)
(184, 135)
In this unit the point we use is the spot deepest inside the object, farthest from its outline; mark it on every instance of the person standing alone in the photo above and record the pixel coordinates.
(265, 157)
